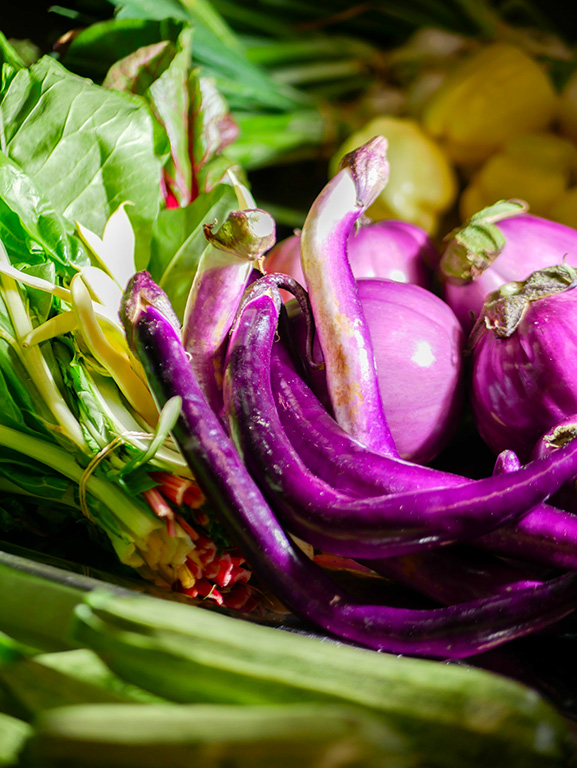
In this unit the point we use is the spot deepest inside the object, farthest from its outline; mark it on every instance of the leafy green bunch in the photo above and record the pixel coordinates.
(83, 205)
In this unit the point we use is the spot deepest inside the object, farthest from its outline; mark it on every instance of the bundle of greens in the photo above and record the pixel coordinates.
(87, 175)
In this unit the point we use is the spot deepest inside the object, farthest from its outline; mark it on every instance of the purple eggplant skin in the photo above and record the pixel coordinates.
(222, 275)
(550, 441)
(341, 326)
(455, 632)
(372, 527)
(532, 243)
(391, 249)
(545, 535)
(522, 384)
(331, 453)
(418, 344)
(456, 575)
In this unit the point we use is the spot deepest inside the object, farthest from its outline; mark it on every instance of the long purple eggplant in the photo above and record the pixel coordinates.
(384, 526)
(454, 632)
(341, 326)
(456, 575)
(330, 452)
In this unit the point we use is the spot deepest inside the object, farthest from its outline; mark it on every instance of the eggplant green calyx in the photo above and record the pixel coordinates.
(141, 291)
(472, 248)
(505, 307)
(245, 234)
(369, 168)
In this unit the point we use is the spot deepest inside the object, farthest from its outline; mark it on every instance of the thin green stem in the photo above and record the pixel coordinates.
(313, 49)
(35, 362)
(131, 516)
(314, 72)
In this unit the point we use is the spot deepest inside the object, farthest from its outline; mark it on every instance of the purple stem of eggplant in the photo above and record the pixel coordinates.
(223, 272)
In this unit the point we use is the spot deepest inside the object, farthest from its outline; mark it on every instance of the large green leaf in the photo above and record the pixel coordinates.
(200, 11)
(30, 227)
(245, 85)
(87, 149)
(94, 50)
(159, 73)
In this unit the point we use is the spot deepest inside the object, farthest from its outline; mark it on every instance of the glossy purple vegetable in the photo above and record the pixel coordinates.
(313, 509)
(340, 324)
(222, 275)
(391, 249)
(330, 452)
(550, 441)
(492, 250)
(458, 631)
(523, 360)
(418, 345)
(545, 535)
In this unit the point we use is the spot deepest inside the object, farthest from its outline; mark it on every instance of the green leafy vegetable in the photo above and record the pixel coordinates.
(97, 148)
(83, 172)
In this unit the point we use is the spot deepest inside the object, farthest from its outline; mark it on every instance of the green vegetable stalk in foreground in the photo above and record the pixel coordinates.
(308, 734)
(208, 667)
(449, 715)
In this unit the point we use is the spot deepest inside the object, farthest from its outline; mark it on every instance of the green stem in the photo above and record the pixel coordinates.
(315, 72)
(34, 361)
(132, 517)
(248, 18)
(264, 139)
(314, 49)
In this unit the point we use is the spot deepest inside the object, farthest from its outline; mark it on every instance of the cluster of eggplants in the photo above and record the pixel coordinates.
(275, 462)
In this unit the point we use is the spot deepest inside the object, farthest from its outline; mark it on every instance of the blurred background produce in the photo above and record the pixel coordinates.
(306, 84)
